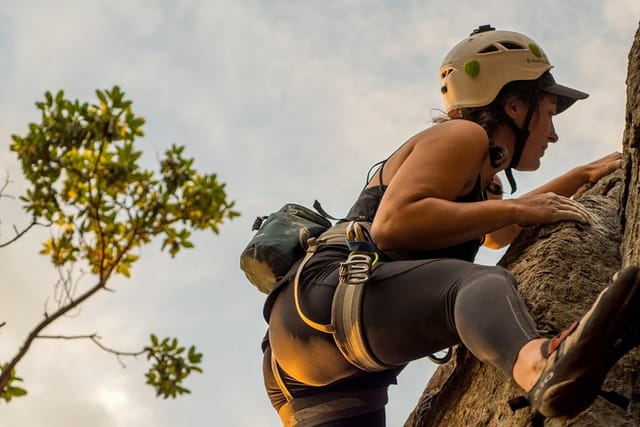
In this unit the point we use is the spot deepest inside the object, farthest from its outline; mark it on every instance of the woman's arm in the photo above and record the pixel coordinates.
(582, 176)
(418, 210)
(569, 184)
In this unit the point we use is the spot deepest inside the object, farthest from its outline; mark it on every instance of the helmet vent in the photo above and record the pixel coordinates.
(446, 72)
(505, 45)
(489, 49)
(512, 46)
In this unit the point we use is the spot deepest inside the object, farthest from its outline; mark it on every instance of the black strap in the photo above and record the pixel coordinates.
(381, 163)
(522, 134)
(325, 408)
(613, 397)
(318, 207)
(518, 402)
(512, 182)
(373, 166)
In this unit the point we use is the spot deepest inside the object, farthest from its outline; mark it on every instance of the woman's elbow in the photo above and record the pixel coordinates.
(382, 235)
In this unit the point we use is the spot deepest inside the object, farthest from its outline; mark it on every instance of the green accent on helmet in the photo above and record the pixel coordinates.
(472, 68)
(535, 49)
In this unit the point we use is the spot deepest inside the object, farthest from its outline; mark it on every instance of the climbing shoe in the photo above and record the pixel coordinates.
(579, 358)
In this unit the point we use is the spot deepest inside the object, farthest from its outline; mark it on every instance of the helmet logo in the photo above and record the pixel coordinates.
(535, 49)
(472, 68)
(536, 61)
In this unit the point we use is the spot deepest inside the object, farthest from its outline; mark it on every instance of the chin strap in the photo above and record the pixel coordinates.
(512, 182)
(521, 134)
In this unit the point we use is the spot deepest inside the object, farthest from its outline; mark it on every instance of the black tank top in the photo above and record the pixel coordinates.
(366, 206)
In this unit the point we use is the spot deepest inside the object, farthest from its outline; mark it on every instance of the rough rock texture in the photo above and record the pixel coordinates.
(630, 215)
(561, 268)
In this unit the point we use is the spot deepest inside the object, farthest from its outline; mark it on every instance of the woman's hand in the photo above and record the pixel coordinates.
(536, 209)
(599, 168)
(580, 178)
(547, 208)
(604, 166)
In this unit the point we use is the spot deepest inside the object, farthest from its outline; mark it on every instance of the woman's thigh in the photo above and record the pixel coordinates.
(409, 307)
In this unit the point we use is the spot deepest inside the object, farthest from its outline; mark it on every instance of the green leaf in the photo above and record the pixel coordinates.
(16, 391)
(101, 96)
(59, 96)
(192, 355)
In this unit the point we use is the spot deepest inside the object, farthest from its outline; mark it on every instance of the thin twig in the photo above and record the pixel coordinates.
(65, 287)
(19, 233)
(4, 186)
(96, 340)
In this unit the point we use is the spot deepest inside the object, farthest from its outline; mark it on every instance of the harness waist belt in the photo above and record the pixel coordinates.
(325, 408)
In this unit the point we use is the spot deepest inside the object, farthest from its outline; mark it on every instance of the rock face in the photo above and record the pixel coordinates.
(560, 269)
(630, 213)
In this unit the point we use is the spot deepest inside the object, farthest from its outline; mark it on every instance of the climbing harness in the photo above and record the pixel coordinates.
(346, 310)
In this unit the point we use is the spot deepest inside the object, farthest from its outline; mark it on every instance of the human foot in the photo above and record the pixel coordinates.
(579, 358)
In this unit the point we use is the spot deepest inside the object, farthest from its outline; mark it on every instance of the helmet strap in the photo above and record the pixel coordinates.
(521, 135)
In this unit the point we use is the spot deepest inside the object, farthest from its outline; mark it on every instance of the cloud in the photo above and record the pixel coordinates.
(619, 15)
(84, 393)
(286, 101)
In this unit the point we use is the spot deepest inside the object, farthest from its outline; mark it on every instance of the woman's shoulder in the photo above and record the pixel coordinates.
(455, 134)
(460, 128)
(452, 142)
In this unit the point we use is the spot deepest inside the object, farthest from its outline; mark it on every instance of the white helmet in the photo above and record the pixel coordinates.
(476, 69)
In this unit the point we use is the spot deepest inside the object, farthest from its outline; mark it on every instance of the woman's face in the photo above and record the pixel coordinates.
(541, 133)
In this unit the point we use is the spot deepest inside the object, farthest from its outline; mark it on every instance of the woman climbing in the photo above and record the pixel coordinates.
(395, 280)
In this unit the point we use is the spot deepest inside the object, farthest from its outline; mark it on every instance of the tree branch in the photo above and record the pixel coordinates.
(5, 375)
(21, 233)
(96, 340)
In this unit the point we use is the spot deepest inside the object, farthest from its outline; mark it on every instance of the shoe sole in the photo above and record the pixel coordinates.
(570, 397)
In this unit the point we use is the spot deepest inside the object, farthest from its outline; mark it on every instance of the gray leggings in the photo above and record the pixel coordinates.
(411, 309)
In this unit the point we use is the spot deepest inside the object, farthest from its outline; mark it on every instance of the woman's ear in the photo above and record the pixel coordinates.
(514, 108)
(498, 156)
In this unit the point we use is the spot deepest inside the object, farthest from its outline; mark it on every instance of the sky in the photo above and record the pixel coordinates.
(287, 101)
